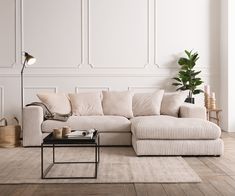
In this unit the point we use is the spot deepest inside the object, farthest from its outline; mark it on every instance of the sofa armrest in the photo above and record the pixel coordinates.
(32, 120)
(188, 110)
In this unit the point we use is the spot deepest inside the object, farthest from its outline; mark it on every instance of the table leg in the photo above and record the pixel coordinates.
(42, 161)
(53, 149)
(96, 161)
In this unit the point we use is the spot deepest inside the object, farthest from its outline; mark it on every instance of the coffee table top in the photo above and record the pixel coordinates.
(65, 140)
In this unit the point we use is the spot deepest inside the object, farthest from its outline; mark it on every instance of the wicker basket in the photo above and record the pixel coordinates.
(9, 134)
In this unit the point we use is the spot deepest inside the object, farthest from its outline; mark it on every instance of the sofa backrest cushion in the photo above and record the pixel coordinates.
(147, 104)
(117, 103)
(56, 102)
(86, 104)
(171, 103)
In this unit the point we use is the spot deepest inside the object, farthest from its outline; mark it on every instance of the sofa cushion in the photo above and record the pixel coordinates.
(101, 123)
(171, 103)
(147, 104)
(86, 104)
(168, 127)
(117, 103)
(56, 102)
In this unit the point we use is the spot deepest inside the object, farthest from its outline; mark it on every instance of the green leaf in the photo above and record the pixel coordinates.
(188, 53)
(198, 82)
(196, 73)
(183, 73)
(183, 88)
(194, 57)
(197, 91)
(177, 79)
(176, 84)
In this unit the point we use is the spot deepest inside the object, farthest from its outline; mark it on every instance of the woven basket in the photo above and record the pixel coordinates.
(9, 134)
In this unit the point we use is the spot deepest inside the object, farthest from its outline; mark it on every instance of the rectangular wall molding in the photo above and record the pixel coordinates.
(8, 33)
(67, 34)
(171, 38)
(111, 64)
(90, 89)
(143, 89)
(54, 88)
(30, 92)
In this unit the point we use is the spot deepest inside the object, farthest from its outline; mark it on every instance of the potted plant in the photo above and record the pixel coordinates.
(187, 77)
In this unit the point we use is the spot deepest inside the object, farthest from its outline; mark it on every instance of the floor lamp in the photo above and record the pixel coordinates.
(29, 60)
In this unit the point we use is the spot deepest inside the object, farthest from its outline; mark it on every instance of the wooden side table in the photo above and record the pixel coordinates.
(210, 116)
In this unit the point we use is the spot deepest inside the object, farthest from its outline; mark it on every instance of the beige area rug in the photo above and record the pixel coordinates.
(117, 165)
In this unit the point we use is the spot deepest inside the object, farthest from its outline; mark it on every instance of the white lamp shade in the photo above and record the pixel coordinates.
(31, 61)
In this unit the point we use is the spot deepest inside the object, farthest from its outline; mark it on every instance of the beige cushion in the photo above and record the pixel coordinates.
(188, 110)
(169, 127)
(86, 104)
(171, 103)
(56, 102)
(118, 103)
(101, 123)
(147, 104)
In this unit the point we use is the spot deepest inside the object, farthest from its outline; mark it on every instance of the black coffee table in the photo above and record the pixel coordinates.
(52, 142)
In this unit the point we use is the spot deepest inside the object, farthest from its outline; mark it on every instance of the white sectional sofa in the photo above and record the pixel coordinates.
(187, 134)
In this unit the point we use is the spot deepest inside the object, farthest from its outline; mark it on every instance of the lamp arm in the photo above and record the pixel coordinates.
(22, 87)
(24, 64)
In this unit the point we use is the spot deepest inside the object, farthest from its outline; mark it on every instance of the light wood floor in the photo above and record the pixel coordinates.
(217, 173)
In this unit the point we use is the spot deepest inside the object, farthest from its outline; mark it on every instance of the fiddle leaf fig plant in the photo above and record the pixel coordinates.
(187, 78)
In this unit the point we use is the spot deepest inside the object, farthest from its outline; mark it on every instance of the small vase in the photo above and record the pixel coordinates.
(190, 100)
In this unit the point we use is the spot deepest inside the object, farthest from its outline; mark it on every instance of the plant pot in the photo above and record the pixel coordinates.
(190, 100)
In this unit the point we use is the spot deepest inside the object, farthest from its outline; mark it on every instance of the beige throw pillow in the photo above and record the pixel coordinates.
(56, 102)
(171, 103)
(86, 104)
(147, 104)
(118, 103)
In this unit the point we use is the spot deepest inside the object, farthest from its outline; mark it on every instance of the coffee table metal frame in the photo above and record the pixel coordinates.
(50, 142)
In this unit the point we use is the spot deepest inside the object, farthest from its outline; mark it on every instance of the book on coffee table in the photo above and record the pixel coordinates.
(81, 134)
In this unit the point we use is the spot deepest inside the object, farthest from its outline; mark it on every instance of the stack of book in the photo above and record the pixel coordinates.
(81, 134)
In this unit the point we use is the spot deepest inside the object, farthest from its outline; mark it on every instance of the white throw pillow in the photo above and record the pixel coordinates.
(56, 102)
(171, 103)
(86, 104)
(118, 103)
(147, 104)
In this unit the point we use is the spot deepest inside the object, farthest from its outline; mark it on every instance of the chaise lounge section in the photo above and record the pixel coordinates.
(167, 135)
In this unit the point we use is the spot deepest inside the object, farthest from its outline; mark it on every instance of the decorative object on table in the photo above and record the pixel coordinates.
(29, 60)
(82, 134)
(89, 132)
(66, 130)
(9, 134)
(187, 77)
(212, 101)
(57, 133)
(209, 98)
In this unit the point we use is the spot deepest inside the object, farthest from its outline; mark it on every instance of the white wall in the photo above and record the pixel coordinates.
(227, 69)
(231, 64)
(85, 45)
(224, 64)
